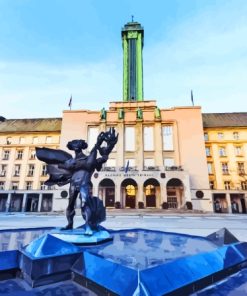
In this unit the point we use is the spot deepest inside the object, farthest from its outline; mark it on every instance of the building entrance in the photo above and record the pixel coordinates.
(107, 192)
(151, 190)
(32, 202)
(129, 191)
(175, 191)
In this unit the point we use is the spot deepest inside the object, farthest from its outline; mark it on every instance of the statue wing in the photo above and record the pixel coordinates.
(58, 176)
(52, 156)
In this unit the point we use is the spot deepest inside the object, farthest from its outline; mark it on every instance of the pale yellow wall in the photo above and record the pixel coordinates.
(229, 143)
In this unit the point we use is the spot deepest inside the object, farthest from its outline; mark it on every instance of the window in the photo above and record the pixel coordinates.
(14, 185)
(6, 154)
(93, 133)
(210, 168)
(129, 139)
(48, 140)
(167, 132)
(169, 162)
(42, 185)
(211, 184)
(238, 150)
(130, 162)
(224, 166)
(35, 140)
(22, 140)
(148, 138)
(241, 170)
(44, 170)
(19, 154)
(244, 185)
(17, 170)
(32, 154)
(208, 152)
(2, 185)
(220, 136)
(222, 151)
(29, 185)
(8, 140)
(148, 162)
(3, 170)
(236, 136)
(206, 137)
(227, 185)
(31, 168)
(111, 162)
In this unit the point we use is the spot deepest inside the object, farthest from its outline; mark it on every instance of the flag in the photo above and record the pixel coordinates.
(192, 99)
(127, 167)
(70, 102)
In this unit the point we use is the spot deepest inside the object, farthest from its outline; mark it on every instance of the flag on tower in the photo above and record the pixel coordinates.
(70, 102)
(192, 99)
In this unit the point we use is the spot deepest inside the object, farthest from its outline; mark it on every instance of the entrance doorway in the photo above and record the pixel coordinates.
(32, 202)
(16, 202)
(175, 191)
(46, 204)
(151, 190)
(129, 191)
(3, 202)
(107, 192)
(220, 203)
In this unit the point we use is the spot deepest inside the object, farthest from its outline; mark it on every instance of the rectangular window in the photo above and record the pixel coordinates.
(17, 170)
(31, 168)
(149, 163)
(244, 185)
(42, 185)
(148, 134)
(44, 170)
(227, 185)
(224, 166)
(29, 185)
(167, 132)
(205, 136)
(220, 136)
(131, 162)
(169, 162)
(211, 184)
(32, 154)
(48, 140)
(2, 185)
(241, 170)
(93, 133)
(238, 150)
(236, 136)
(129, 138)
(111, 162)
(8, 140)
(19, 154)
(208, 152)
(15, 185)
(6, 154)
(222, 151)
(22, 140)
(3, 171)
(210, 168)
(35, 140)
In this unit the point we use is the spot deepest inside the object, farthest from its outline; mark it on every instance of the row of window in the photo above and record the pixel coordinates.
(131, 137)
(19, 154)
(17, 170)
(238, 150)
(221, 136)
(28, 186)
(22, 140)
(148, 162)
(228, 185)
(225, 168)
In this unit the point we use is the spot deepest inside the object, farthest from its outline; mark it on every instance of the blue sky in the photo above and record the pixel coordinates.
(51, 49)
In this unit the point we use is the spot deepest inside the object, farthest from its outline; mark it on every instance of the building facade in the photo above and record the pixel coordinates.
(225, 137)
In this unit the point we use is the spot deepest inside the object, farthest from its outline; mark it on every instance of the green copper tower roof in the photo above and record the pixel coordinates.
(132, 40)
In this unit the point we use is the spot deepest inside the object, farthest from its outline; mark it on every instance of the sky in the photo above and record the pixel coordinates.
(52, 49)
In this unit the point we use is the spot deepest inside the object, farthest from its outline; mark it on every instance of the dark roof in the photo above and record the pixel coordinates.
(238, 119)
(31, 125)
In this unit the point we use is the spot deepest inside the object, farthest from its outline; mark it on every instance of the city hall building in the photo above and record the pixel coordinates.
(164, 158)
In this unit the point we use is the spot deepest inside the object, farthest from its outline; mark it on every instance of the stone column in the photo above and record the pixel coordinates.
(40, 201)
(229, 204)
(8, 202)
(24, 200)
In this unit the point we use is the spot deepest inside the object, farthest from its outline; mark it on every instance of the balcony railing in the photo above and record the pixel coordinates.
(174, 168)
(145, 168)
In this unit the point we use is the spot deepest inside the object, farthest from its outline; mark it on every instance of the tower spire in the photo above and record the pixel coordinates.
(132, 40)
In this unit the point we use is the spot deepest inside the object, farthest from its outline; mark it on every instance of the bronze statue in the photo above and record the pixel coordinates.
(77, 171)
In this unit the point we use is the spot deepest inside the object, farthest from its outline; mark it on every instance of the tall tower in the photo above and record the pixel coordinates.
(132, 40)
